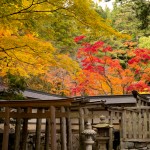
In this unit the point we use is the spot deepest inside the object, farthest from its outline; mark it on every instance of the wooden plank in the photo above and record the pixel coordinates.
(17, 131)
(129, 125)
(145, 124)
(36, 103)
(81, 120)
(38, 132)
(111, 131)
(124, 125)
(140, 125)
(36, 115)
(63, 131)
(25, 131)
(81, 126)
(53, 128)
(6, 130)
(137, 140)
(131, 120)
(136, 108)
(47, 134)
(69, 131)
(134, 117)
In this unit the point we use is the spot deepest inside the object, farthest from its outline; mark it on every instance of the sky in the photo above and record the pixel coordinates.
(103, 4)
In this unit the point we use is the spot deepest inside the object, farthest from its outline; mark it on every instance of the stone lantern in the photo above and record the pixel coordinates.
(103, 133)
(88, 132)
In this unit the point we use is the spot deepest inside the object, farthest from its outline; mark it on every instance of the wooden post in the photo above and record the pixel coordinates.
(6, 129)
(123, 128)
(47, 134)
(81, 119)
(81, 127)
(53, 128)
(69, 131)
(38, 132)
(25, 131)
(63, 131)
(140, 125)
(17, 131)
(111, 131)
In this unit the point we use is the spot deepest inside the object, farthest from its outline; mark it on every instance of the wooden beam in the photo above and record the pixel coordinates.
(111, 131)
(32, 115)
(47, 134)
(17, 131)
(38, 132)
(63, 131)
(6, 130)
(69, 131)
(81, 127)
(36, 103)
(25, 131)
(137, 140)
(53, 128)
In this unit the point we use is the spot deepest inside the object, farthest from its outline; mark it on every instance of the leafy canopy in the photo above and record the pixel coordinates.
(103, 74)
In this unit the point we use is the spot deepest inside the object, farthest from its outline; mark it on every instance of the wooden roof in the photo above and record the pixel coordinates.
(36, 103)
(114, 99)
(34, 94)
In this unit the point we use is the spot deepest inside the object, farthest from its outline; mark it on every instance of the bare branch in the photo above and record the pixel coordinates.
(26, 10)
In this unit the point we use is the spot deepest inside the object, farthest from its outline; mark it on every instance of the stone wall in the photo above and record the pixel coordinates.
(135, 146)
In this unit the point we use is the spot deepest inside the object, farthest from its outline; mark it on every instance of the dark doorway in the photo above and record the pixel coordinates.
(116, 142)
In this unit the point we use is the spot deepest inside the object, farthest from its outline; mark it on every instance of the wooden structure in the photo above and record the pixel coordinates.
(67, 118)
(22, 110)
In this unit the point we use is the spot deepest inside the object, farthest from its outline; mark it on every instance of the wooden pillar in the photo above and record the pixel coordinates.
(17, 131)
(140, 124)
(69, 131)
(123, 128)
(47, 134)
(63, 131)
(6, 129)
(145, 119)
(38, 132)
(111, 131)
(53, 128)
(25, 131)
(81, 127)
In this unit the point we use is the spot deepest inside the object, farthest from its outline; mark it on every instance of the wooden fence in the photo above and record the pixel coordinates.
(136, 124)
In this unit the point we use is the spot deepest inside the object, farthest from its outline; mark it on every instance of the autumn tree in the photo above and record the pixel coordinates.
(103, 74)
(31, 29)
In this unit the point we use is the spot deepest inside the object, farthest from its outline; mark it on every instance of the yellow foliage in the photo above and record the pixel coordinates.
(25, 55)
